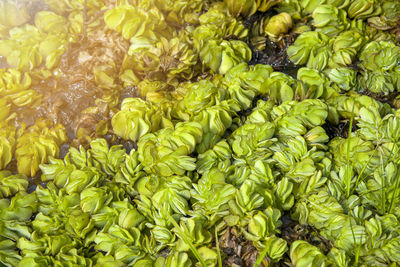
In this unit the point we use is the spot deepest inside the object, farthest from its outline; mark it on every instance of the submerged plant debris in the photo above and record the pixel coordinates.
(199, 133)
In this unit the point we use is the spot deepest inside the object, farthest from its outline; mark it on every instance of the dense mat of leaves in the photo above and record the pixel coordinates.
(342, 39)
(215, 145)
(278, 158)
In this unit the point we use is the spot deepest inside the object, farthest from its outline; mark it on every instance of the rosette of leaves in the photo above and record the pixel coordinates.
(208, 39)
(159, 220)
(287, 125)
(85, 168)
(378, 129)
(108, 159)
(210, 197)
(55, 237)
(15, 217)
(386, 180)
(156, 51)
(259, 173)
(349, 106)
(344, 78)
(170, 194)
(12, 15)
(383, 252)
(217, 19)
(219, 156)
(252, 214)
(244, 83)
(180, 12)
(279, 87)
(9, 253)
(11, 184)
(379, 82)
(362, 9)
(199, 96)
(329, 20)
(327, 215)
(14, 224)
(156, 92)
(258, 37)
(100, 217)
(310, 49)
(249, 200)
(313, 84)
(138, 117)
(304, 254)
(379, 61)
(378, 35)
(191, 231)
(135, 22)
(94, 200)
(14, 86)
(278, 25)
(308, 6)
(204, 33)
(221, 56)
(251, 77)
(29, 46)
(387, 20)
(165, 59)
(126, 245)
(242, 96)
(362, 155)
(261, 137)
(379, 56)
(295, 160)
(16, 214)
(63, 249)
(303, 170)
(263, 226)
(214, 122)
(310, 112)
(345, 47)
(178, 48)
(275, 248)
(299, 9)
(37, 144)
(167, 151)
(241, 8)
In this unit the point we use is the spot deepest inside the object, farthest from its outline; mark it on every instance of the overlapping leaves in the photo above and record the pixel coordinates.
(207, 155)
